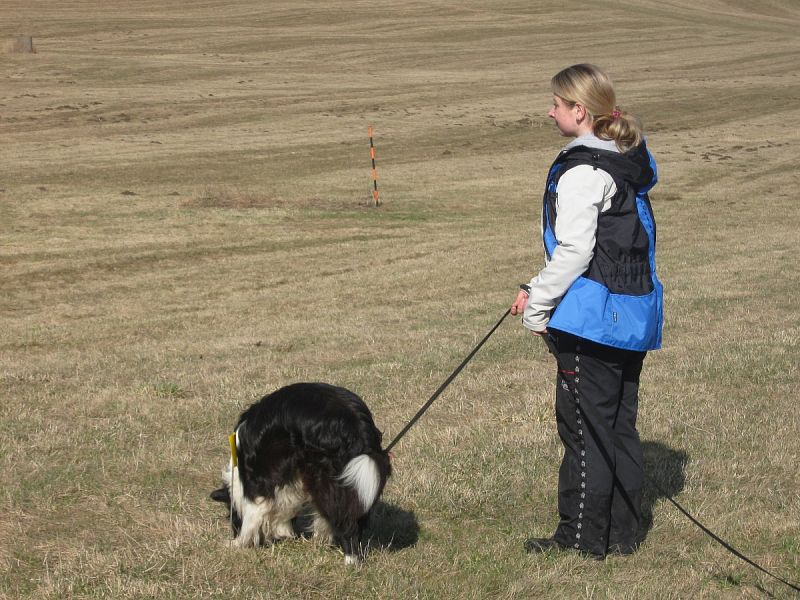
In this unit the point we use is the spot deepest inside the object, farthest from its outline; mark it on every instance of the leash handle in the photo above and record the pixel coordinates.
(447, 382)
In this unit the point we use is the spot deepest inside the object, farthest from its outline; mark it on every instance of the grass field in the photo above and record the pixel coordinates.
(186, 224)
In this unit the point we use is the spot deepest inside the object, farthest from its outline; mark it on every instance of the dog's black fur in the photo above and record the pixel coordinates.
(306, 444)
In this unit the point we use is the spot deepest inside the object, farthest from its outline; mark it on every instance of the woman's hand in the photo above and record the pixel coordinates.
(520, 303)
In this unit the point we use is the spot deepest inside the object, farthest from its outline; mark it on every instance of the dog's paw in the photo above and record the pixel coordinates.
(241, 542)
(353, 560)
(284, 531)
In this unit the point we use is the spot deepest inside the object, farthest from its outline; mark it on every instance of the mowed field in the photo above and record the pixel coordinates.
(186, 224)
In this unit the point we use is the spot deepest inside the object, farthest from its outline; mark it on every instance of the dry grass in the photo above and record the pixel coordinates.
(186, 224)
(234, 197)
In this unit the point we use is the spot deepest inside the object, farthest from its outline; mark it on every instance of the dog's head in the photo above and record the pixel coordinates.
(222, 494)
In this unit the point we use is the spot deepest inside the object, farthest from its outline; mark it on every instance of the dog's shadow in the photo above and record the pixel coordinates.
(390, 528)
(666, 475)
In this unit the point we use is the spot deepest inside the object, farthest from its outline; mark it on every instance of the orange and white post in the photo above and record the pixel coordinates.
(374, 172)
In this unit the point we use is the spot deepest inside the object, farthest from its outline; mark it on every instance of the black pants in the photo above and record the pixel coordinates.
(599, 486)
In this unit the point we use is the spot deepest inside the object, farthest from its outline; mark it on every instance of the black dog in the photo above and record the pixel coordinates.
(305, 444)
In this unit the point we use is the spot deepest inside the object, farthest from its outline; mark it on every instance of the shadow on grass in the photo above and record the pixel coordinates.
(665, 471)
(391, 528)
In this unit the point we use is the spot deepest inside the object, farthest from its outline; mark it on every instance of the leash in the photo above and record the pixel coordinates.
(447, 382)
(595, 419)
(592, 420)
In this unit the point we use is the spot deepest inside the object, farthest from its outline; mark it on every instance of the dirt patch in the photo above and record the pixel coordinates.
(21, 44)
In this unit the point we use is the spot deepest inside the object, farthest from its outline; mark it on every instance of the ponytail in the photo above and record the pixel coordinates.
(624, 129)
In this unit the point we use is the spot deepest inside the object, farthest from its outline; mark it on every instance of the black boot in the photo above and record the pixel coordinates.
(541, 545)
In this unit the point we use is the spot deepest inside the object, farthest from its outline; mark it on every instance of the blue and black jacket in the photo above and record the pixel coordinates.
(618, 301)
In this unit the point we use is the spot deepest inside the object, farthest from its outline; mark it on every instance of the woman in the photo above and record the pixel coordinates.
(600, 302)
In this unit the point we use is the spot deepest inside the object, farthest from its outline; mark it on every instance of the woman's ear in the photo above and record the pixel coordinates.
(581, 113)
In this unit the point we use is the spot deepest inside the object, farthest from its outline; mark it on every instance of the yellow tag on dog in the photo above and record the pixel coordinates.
(232, 442)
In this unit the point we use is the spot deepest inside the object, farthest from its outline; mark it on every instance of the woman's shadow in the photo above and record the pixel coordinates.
(392, 528)
(664, 476)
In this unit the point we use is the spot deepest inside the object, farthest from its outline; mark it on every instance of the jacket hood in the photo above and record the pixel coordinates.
(636, 166)
(642, 171)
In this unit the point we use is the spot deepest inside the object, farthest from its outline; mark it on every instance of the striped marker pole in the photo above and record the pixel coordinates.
(374, 172)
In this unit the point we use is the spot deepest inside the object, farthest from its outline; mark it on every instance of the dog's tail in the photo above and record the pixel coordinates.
(367, 474)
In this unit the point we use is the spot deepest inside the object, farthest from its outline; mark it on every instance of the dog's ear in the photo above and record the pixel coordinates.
(221, 495)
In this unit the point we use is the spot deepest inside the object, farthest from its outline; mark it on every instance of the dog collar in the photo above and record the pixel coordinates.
(232, 442)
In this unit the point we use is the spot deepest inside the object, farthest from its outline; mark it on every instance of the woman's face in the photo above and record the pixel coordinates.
(568, 118)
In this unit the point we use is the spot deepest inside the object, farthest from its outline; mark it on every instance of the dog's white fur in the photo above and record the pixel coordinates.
(361, 473)
(267, 520)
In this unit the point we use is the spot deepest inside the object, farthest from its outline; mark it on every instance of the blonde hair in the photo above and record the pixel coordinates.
(589, 86)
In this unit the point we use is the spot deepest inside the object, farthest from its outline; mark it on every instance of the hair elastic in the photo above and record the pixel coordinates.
(616, 113)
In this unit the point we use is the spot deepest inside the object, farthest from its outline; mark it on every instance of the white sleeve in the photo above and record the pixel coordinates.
(582, 193)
